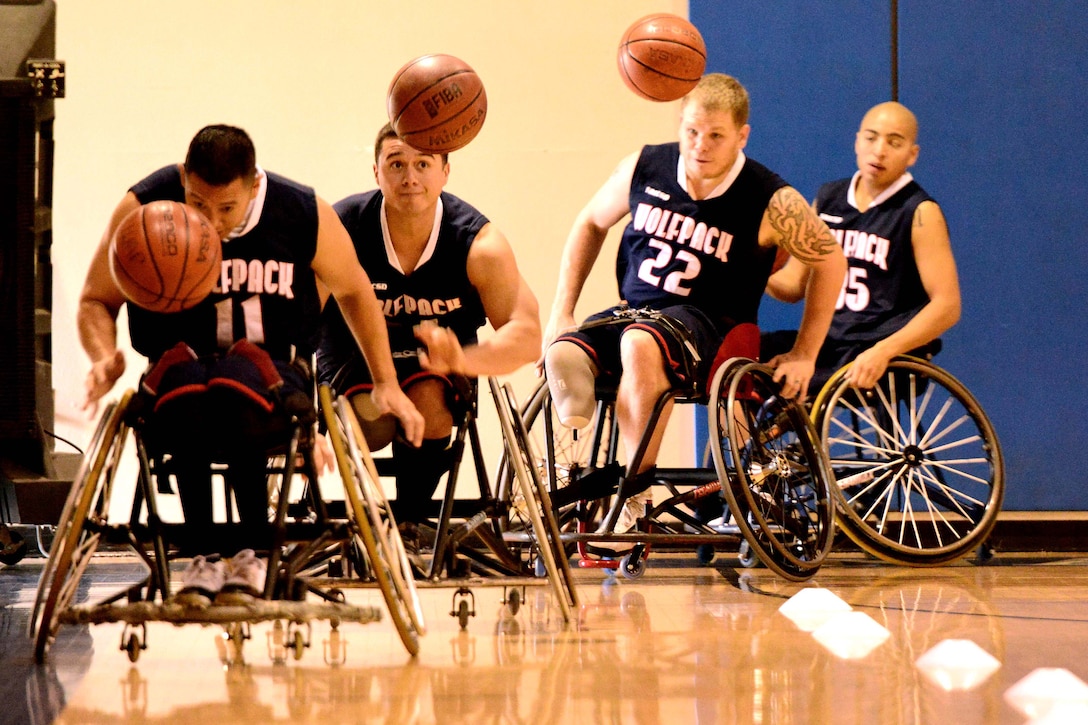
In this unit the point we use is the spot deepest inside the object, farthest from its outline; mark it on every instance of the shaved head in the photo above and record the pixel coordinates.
(894, 114)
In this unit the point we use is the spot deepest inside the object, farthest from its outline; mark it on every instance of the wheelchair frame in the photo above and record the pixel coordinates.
(536, 560)
(785, 516)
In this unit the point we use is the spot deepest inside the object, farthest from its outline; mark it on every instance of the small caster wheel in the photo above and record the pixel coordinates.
(984, 553)
(704, 553)
(540, 570)
(298, 645)
(747, 556)
(632, 566)
(13, 546)
(134, 641)
(132, 647)
(463, 614)
(513, 601)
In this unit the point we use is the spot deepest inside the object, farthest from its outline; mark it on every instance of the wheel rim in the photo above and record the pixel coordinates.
(920, 472)
(777, 478)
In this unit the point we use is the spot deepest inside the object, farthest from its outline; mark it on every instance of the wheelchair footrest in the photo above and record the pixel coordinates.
(261, 610)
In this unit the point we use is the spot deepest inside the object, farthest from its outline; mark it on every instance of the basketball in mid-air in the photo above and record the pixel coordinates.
(164, 256)
(662, 56)
(436, 103)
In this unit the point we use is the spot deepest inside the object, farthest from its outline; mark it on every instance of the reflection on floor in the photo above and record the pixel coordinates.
(999, 643)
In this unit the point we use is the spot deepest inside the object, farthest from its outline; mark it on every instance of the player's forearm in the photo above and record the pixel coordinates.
(931, 322)
(579, 255)
(821, 293)
(97, 328)
(367, 324)
(515, 344)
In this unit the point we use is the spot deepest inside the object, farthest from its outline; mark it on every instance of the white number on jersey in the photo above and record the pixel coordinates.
(674, 281)
(854, 294)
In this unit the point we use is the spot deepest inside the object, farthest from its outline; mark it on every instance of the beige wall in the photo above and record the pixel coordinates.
(308, 81)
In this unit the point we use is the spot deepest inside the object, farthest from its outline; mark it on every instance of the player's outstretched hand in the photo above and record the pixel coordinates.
(100, 380)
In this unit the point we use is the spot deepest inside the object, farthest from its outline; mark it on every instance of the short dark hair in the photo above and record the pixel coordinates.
(219, 154)
(386, 133)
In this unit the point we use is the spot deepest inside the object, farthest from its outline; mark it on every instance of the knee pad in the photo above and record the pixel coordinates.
(571, 379)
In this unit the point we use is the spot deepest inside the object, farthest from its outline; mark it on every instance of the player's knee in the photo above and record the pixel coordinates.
(431, 398)
(642, 359)
(571, 379)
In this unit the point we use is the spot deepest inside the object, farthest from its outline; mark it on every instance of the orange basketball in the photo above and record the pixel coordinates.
(662, 57)
(164, 256)
(436, 103)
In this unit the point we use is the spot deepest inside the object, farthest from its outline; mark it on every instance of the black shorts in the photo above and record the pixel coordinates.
(219, 403)
(354, 378)
(688, 340)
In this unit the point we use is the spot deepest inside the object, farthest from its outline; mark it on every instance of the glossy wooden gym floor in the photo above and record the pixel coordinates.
(686, 643)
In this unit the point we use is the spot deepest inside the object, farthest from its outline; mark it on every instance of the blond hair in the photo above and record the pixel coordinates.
(719, 92)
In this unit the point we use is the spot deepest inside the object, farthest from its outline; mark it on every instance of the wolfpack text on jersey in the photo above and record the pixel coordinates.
(882, 290)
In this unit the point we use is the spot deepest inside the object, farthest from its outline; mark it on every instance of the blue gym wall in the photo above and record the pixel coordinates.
(1000, 91)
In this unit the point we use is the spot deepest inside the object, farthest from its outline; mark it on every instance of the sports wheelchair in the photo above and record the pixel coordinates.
(301, 537)
(918, 467)
(768, 467)
(313, 546)
(463, 546)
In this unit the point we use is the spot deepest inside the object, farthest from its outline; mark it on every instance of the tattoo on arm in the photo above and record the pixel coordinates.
(917, 217)
(800, 232)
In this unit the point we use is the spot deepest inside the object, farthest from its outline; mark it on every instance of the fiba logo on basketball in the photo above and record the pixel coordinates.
(444, 97)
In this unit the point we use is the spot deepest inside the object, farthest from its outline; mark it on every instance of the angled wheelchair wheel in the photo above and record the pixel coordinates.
(544, 524)
(775, 479)
(558, 455)
(373, 520)
(74, 544)
(920, 475)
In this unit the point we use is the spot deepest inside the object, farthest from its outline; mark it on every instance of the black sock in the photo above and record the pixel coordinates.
(418, 472)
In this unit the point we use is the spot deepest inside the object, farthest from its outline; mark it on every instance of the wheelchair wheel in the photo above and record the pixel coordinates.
(534, 491)
(558, 455)
(73, 545)
(373, 521)
(920, 471)
(778, 480)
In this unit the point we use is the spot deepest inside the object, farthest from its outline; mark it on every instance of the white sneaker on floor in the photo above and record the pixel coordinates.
(244, 582)
(200, 582)
(723, 524)
(634, 509)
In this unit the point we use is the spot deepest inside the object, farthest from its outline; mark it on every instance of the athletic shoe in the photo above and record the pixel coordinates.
(200, 582)
(634, 509)
(245, 575)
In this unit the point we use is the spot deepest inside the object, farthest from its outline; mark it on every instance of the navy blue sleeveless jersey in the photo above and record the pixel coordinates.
(679, 251)
(438, 290)
(882, 290)
(267, 291)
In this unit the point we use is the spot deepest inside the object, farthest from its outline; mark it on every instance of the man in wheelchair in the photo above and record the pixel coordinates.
(705, 223)
(440, 270)
(901, 292)
(229, 375)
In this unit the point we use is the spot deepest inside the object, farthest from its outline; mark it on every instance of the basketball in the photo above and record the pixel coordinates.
(662, 57)
(436, 103)
(164, 256)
